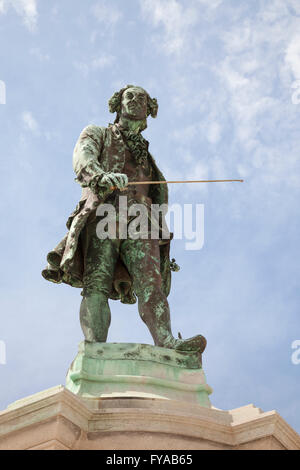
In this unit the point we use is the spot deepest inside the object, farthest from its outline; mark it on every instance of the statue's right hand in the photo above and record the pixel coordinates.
(112, 180)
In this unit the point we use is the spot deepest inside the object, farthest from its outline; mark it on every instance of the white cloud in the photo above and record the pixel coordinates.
(241, 91)
(29, 122)
(176, 20)
(234, 78)
(36, 52)
(105, 60)
(211, 4)
(209, 129)
(292, 57)
(259, 51)
(213, 132)
(208, 7)
(106, 13)
(2, 6)
(27, 9)
(82, 67)
(200, 171)
(187, 133)
(100, 62)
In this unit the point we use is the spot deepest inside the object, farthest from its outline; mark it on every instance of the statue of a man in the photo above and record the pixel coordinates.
(106, 158)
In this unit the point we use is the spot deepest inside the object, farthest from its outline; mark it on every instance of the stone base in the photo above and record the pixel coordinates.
(137, 370)
(56, 419)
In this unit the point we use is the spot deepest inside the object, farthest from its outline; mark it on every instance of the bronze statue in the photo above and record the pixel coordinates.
(105, 159)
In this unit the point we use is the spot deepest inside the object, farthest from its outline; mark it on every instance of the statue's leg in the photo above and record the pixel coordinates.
(95, 317)
(142, 259)
(100, 258)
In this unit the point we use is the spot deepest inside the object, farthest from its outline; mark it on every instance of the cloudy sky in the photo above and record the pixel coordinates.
(227, 78)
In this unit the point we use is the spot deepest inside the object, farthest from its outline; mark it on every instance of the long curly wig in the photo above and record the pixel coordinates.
(115, 103)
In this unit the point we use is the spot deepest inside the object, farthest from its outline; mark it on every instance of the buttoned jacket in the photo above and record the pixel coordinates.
(97, 151)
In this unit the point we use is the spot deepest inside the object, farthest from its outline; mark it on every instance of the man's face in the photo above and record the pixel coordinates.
(134, 103)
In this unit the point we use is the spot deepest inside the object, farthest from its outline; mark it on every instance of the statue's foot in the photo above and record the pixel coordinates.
(196, 343)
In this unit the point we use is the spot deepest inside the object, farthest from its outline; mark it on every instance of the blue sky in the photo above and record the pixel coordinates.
(225, 75)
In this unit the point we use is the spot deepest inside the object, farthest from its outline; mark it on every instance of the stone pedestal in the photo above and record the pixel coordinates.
(58, 419)
(137, 370)
(136, 397)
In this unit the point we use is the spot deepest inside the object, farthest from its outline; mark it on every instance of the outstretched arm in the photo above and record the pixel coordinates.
(86, 162)
(85, 157)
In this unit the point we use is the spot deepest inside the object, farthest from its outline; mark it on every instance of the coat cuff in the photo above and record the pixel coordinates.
(89, 176)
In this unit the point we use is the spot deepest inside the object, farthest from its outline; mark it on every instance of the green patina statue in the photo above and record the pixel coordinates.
(105, 160)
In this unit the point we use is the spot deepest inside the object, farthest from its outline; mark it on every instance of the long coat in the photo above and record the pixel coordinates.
(100, 150)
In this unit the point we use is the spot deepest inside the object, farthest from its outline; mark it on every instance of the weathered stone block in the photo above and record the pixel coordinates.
(130, 369)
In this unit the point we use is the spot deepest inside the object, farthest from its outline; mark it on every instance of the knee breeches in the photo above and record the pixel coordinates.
(141, 258)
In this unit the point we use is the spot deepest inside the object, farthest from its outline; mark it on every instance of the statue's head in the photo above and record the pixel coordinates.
(133, 102)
